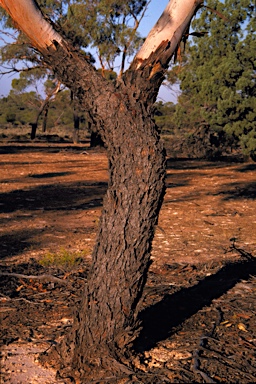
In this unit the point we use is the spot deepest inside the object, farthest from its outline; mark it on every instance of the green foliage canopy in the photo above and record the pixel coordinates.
(22, 108)
(218, 78)
(108, 26)
(164, 117)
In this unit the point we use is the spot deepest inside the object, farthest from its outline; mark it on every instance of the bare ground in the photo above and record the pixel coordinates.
(198, 308)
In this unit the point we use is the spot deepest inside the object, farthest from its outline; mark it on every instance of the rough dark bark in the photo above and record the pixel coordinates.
(106, 325)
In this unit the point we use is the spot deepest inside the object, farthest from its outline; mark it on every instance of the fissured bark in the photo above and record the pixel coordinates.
(106, 323)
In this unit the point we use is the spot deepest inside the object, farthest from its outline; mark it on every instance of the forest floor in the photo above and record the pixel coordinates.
(199, 305)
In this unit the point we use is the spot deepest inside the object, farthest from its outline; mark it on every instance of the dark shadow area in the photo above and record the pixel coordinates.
(54, 197)
(177, 180)
(185, 198)
(237, 191)
(16, 242)
(176, 185)
(183, 164)
(50, 174)
(160, 319)
(41, 147)
(247, 168)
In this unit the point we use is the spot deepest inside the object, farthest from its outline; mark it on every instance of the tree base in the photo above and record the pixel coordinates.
(101, 368)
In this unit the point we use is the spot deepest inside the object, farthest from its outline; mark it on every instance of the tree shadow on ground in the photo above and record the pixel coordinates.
(237, 191)
(189, 164)
(247, 168)
(16, 242)
(54, 197)
(40, 147)
(50, 174)
(160, 319)
(175, 181)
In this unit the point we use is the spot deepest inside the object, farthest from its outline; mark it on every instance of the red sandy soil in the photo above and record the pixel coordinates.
(198, 308)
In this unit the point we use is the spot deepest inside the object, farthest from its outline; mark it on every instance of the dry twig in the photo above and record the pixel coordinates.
(35, 277)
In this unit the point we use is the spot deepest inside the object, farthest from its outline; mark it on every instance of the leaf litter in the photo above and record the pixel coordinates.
(198, 307)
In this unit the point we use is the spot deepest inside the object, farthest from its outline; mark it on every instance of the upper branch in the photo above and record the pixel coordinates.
(165, 36)
(95, 93)
(27, 16)
(69, 65)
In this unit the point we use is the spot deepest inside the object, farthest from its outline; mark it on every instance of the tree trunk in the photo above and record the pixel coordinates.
(33, 130)
(96, 140)
(45, 115)
(76, 119)
(105, 325)
(44, 108)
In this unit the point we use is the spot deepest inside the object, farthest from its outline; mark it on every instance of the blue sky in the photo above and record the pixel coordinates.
(155, 10)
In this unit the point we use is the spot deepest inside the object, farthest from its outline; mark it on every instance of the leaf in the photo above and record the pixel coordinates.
(243, 315)
(242, 327)
(226, 323)
(19, 288)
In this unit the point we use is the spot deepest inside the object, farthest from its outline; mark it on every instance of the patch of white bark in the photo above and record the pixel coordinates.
(170, 26)
(28, 17)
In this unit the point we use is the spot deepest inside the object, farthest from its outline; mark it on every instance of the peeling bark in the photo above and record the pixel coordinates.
(170, 26)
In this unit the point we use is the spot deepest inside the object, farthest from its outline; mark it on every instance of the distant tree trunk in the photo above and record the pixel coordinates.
(76, 119)
(96, 140)
(44, 108)
(45, 115)
(97, 347)
(33, 130)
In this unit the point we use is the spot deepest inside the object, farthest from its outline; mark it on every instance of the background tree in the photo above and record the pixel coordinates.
(217, 77)
(51, 88)
(164, 117)
(109, 27)
(18, 108)
(18, 55)
(105, 326)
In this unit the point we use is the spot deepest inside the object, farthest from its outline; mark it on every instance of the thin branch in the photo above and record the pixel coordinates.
(17, 70)
(45, 277)
(127, 45)
(7, 34)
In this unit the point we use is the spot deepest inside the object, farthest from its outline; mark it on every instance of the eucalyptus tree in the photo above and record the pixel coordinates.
(218, 78)
(108, 27)
(51, 89)
(105, 325)
(18, 56)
